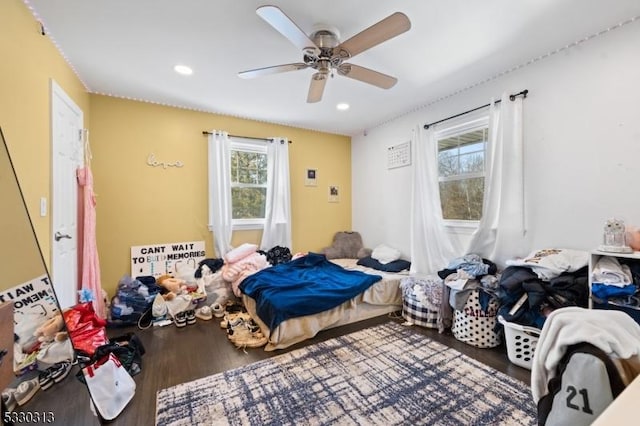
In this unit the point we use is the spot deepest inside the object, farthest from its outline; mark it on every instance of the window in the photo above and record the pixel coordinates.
(248, 183)
(461, 170)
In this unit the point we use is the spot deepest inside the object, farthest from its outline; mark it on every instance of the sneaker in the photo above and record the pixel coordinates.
(45, 380)
(252, 326)
(180, 319)
(9, 399)
(60, 370)
(218, 310)
(191, 316)
(234, 319)
(204, 313)
(26, 390)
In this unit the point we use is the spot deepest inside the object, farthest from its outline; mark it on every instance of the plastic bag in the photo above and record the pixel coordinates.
(86, 330)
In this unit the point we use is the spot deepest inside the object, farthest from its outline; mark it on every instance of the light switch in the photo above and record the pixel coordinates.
(43, 206)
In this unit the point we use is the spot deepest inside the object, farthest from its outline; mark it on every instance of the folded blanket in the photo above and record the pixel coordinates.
(608, 270)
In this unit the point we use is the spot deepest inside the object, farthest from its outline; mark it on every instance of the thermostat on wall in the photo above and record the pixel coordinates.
(399, 155)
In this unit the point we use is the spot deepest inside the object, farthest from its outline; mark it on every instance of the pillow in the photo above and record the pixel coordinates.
(395, 266)
(345, 245)
(385, 254)
(240, 252)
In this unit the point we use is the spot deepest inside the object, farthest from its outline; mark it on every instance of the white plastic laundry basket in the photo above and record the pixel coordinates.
(521, 342)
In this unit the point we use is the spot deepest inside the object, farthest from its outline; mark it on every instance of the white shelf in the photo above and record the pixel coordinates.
(634, 255)
(593, 258)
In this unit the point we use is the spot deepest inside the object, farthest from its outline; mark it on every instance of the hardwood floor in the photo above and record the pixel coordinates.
(175, 356)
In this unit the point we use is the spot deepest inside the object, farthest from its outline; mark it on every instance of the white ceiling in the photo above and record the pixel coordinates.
(127, 48)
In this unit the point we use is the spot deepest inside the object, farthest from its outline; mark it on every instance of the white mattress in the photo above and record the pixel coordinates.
(382, 297)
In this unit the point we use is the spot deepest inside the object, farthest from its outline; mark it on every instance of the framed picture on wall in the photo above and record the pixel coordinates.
(334, 194)
(310, 178)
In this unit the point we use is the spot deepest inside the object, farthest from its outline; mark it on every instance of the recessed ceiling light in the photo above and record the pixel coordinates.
(342, 106)
(183, 69)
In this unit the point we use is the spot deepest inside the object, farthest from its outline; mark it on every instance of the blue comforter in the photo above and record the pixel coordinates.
(304, 286)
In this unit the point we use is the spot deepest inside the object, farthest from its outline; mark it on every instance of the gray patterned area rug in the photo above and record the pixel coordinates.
(383, 375)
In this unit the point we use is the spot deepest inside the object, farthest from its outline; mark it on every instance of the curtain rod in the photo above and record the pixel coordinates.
(511, 97)
(204, 132)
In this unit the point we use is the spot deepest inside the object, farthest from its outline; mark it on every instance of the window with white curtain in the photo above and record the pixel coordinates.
(461, 170)
(249, 162)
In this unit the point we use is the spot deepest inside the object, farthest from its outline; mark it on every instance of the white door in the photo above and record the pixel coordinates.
(67, 154)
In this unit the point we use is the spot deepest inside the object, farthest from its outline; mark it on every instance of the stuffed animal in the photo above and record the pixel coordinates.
(173, 286)
(51, 329)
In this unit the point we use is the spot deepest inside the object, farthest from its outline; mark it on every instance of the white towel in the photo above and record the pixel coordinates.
(608, 270)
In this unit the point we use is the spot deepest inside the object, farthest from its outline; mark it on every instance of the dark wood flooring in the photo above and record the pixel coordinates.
(175, 356)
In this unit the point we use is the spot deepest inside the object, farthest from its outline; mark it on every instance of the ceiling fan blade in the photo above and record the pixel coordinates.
(259, 72)
(384, 30)
(367, 75)
(316, 88)
(285, 26)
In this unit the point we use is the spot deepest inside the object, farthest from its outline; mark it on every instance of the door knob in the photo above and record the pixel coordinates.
(58, 236)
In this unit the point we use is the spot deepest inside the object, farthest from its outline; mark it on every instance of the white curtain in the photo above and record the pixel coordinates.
(500, 234)
(277, 226)
(431, 246)
(220, 211)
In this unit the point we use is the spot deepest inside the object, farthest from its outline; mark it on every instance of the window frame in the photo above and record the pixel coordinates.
(252, 146)
(478, 122)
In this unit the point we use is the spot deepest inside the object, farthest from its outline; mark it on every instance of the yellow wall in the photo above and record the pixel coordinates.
(28, 61)
(138, 204)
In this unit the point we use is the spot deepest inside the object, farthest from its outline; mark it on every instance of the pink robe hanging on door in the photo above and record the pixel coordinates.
(90, 278)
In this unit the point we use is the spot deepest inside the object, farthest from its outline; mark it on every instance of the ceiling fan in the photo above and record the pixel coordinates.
(323, 52)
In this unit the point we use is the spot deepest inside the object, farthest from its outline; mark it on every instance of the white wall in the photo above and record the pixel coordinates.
(582, 146)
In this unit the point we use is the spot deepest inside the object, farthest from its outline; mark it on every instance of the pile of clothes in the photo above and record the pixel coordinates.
(463, 276)
(532, 287)
(616, 280)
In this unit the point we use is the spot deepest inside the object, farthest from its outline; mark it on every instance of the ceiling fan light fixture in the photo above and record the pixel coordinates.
(323, 51)
(183, 70)
(342, 106)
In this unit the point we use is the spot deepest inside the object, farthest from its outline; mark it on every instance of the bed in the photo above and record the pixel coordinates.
(380, 295)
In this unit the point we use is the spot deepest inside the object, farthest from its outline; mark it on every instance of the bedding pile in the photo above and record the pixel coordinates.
(306, 285)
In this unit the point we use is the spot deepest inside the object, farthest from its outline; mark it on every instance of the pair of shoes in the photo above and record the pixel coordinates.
(246, 335)
(191, 316)
(54, 374)
(204, 313)
(26, 390)
(9, 399)
(180, 319)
